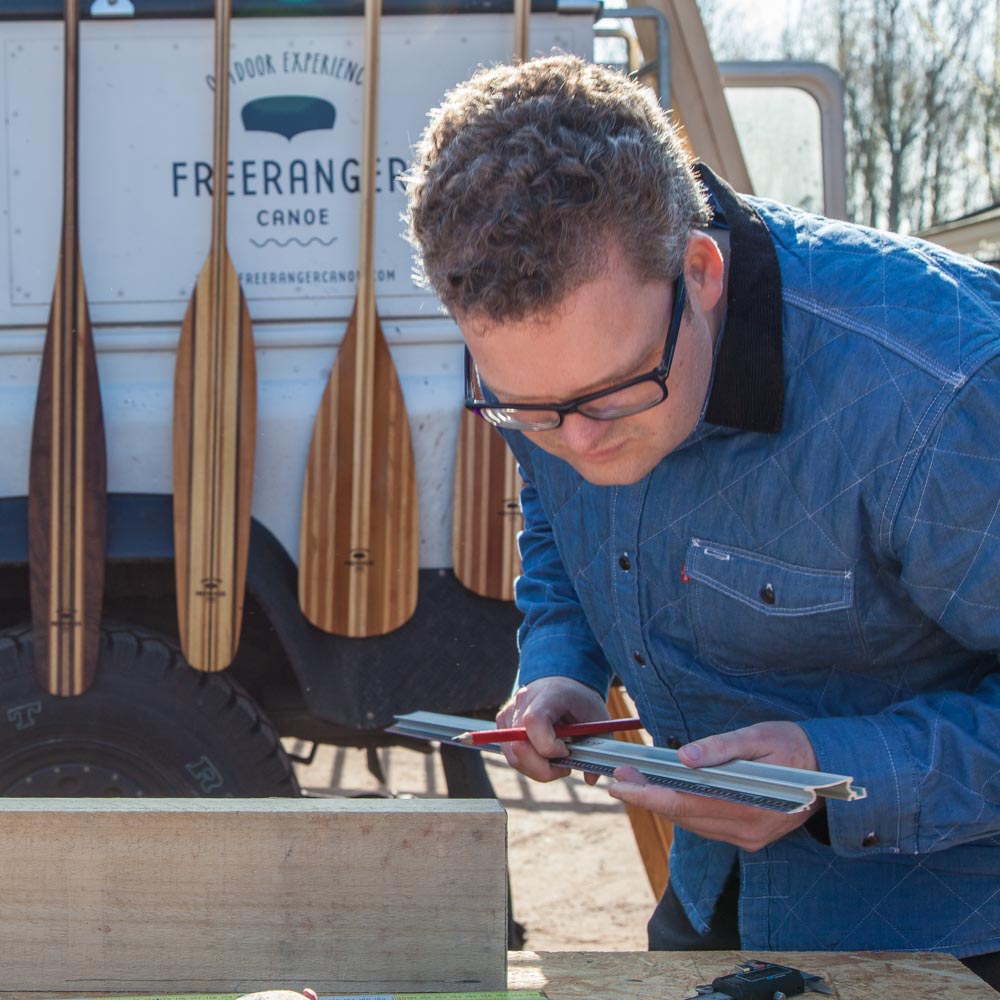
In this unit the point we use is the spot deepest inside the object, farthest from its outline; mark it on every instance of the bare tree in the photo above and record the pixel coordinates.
(922, 101)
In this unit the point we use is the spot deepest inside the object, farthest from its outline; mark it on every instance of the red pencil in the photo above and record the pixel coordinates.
(477, 738)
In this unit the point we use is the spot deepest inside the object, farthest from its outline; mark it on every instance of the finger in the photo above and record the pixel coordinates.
(679, 807)
(630, 775)
(528, 761)
(744, 744)
(542, 735)
(778, 742)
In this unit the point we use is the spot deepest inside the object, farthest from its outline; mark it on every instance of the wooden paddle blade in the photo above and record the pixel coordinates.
(215, 406)
(653, 833)
(67, 494)
(486, 512)
(359, 540)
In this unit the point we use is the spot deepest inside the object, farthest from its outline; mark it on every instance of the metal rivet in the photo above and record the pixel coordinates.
(870, 840)
(767, 594)
(639, 658)
(674, 743)
(625, 562)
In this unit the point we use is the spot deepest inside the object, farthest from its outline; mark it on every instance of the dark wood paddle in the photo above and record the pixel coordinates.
(359, 537)
(215, 406)
(486, 513)
(67, 490)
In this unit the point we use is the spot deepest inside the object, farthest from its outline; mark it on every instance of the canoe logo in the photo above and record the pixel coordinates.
(65, 619)
(289, 115)
(511, 507)
(211, 589)
(360, 558)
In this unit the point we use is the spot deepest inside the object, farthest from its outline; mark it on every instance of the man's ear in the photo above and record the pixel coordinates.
(704, 270)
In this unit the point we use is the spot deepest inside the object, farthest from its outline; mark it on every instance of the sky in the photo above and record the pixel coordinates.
(761, 18)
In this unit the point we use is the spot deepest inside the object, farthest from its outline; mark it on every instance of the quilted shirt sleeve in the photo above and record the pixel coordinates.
(554, 638)
(932, 760)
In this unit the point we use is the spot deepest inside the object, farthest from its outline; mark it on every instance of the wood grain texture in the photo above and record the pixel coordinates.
(653, 834)
(215, 397)
(189, 895)
(567, 975)
(486, 512)
(359, 536)
(67, 491)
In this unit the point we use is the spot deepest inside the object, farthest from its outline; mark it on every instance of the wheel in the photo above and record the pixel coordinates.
(149, 725)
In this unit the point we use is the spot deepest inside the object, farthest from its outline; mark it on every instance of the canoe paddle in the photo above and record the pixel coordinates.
(486, 512)
(359, 536)
(215, 403)
(67, 491)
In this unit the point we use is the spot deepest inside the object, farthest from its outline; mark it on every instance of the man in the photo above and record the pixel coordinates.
(761, 488)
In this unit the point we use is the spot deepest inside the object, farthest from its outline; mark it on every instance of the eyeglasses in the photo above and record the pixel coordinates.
(622, 400)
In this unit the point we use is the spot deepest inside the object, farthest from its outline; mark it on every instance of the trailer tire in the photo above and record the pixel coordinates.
(150, 725)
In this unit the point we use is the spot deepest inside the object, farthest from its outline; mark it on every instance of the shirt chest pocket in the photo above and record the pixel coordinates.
(752, 613)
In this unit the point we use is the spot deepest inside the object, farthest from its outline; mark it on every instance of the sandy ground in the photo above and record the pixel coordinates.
(577, 881)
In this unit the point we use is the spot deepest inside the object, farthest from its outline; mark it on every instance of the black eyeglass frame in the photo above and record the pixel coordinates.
(659, 375)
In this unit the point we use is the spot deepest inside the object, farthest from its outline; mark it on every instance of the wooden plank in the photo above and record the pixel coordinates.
(359, 537)
(67, 492)
(567, 975)
(189, 895)
(653, 834)
(215, 422)
(697, 98)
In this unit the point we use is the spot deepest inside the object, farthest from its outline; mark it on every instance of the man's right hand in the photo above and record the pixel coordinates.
(538, 706)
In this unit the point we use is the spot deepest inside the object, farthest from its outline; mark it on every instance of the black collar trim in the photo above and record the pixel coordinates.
(748, 379)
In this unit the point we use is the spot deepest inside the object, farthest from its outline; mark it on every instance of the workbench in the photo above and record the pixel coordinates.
(610, 975)
(566, 975)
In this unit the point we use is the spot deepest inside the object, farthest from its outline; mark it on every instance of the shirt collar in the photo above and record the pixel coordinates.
(747, 390)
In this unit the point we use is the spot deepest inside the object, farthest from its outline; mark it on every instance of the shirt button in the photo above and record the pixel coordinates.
(767, 594)
(639, 658)
(625, 562)
(870, 839)
(674, 743)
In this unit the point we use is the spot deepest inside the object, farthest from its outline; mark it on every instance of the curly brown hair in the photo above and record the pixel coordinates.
(527, 174)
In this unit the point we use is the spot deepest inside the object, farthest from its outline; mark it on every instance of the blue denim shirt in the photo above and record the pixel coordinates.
(871, 519)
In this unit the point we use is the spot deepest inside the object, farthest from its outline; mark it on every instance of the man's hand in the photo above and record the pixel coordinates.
(748, 827)
(537, 707)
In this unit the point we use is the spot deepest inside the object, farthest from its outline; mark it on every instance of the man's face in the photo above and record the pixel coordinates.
(609, 330)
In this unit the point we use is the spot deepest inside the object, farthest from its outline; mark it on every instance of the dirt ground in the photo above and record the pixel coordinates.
(577, 881)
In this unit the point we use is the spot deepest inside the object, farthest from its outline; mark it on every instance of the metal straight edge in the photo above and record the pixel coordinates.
(786, 789)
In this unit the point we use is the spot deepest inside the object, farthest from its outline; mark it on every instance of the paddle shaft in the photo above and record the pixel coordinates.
(359, 536)
(486, 513)
(214, 425)
(67, 493)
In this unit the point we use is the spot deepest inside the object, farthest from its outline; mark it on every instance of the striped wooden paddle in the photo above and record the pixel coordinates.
(359, 537)
(215, 404)
(486, 512)
(67, 491)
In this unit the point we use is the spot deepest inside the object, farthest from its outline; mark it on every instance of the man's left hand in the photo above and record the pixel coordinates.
(748, 827)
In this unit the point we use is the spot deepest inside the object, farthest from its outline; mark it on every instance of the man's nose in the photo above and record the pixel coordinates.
(581, 434)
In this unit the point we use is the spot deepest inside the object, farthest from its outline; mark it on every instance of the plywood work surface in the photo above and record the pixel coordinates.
(570, 975)
(173, 895)
(673, 975)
